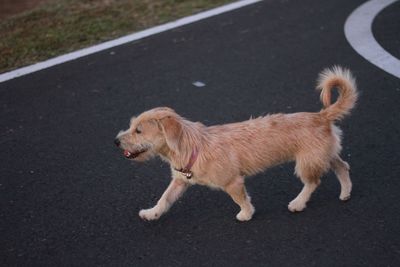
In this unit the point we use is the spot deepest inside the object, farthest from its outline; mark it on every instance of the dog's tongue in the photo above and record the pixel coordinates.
(127, 153)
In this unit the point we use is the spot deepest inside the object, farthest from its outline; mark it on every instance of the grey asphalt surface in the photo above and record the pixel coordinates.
(386, 29)
(69, 198)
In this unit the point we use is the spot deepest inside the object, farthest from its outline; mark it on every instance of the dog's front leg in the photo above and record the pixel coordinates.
(175, 189)
(236, 189)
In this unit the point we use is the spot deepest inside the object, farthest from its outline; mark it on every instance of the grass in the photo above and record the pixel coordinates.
(60, 26)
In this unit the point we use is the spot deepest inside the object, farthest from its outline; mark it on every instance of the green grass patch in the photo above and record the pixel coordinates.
(61, 26)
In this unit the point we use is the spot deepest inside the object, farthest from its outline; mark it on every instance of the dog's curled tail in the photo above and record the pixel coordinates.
(343, 80)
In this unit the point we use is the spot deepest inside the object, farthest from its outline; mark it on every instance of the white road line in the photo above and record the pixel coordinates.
(358, 31)
(123, 40)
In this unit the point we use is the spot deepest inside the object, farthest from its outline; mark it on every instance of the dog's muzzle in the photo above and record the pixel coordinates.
(117, 142)
(128, 154)
(132, 155)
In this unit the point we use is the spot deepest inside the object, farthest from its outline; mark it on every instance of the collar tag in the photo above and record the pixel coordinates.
(186, 171)
(188, 174)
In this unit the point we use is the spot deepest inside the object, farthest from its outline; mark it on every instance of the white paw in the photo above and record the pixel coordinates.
(245, 215)
(296, 205)
(345, 192)
(344, 197)
(149, 214)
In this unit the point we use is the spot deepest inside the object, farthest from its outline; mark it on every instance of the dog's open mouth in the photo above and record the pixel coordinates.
(132, 155)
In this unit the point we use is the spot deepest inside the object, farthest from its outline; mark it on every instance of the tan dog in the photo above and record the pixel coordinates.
(221, 156)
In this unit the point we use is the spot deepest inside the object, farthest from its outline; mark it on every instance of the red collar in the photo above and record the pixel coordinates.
(186, 171)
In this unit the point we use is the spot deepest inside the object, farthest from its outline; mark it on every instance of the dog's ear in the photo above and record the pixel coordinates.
(172, 130)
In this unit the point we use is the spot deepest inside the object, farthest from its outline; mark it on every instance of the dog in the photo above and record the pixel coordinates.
(221, 156)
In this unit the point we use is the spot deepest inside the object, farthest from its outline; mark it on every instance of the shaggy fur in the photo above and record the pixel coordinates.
(228, 153)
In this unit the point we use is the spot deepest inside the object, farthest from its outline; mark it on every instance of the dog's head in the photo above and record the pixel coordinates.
(153, 132)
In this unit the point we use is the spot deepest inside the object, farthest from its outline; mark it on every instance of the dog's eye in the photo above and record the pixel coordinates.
(138, 131)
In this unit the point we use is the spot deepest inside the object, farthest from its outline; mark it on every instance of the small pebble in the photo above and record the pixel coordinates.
(199, 84)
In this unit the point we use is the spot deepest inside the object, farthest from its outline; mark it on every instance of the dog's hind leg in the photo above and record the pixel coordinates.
(175, 189)
(237, 190)
(341, 169)
(310, 176)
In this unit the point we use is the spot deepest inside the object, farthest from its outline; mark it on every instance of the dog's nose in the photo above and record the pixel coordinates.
(117, 142)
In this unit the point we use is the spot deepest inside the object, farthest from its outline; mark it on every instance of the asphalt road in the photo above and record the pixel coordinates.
(69, 198)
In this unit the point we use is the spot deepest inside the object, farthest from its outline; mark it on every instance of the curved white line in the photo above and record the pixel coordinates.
(123, 40)
(358, 31)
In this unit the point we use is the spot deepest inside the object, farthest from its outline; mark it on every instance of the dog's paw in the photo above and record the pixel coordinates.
(296, 206)
(149, 214)
(344, 197)
(245, 215)
(345, 191)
